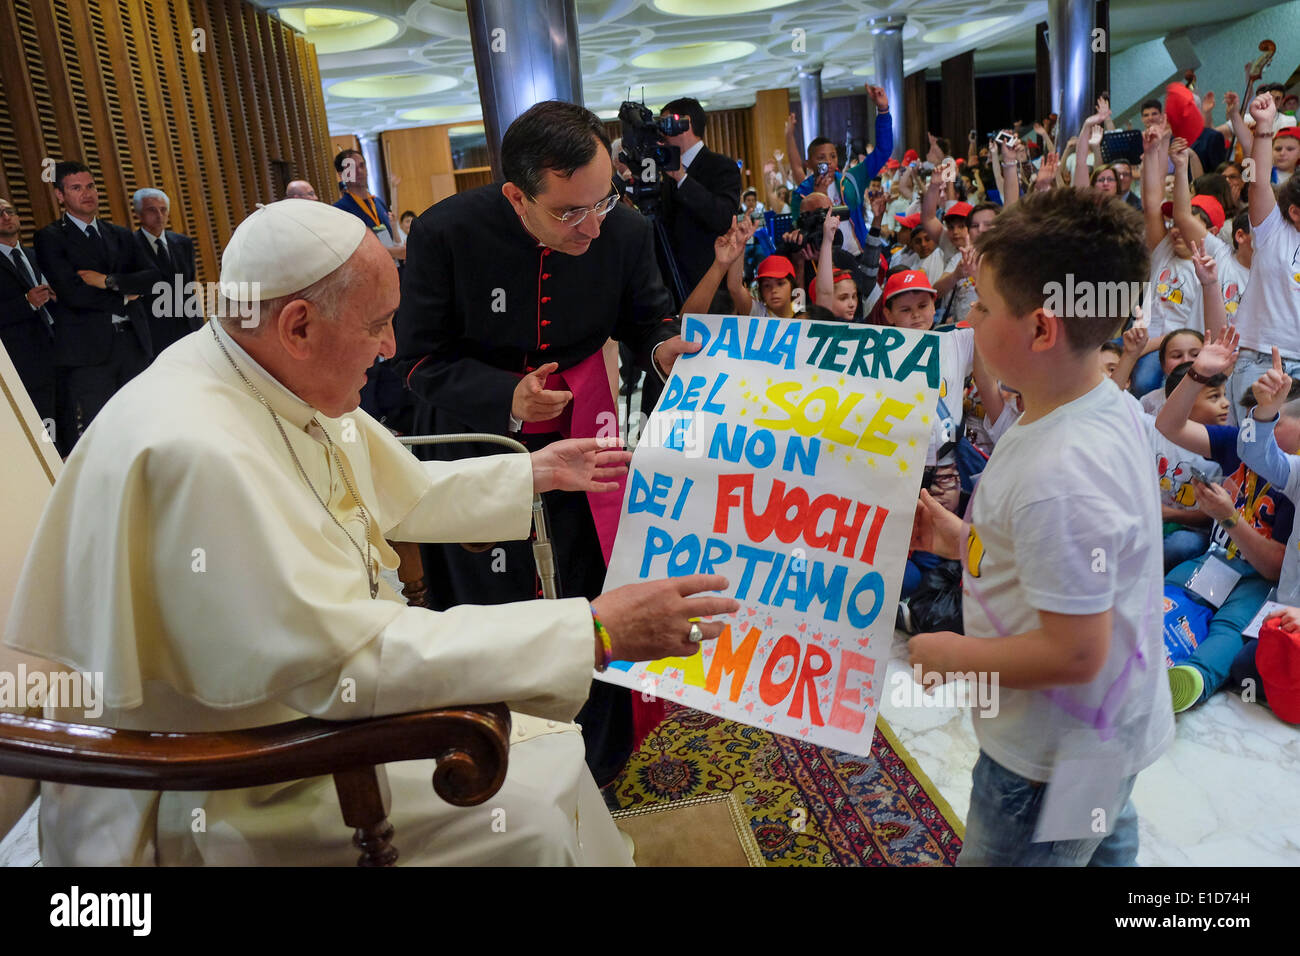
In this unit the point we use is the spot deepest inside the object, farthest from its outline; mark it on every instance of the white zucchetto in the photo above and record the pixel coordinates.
(286, 246)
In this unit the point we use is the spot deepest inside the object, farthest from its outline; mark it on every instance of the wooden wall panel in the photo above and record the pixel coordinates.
(130, 89)
(421, 158)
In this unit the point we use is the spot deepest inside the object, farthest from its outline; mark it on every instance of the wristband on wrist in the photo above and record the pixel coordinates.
(1197, 377)
(606, 645)
(1229, 521)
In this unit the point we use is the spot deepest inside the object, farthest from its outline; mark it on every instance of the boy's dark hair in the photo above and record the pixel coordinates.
(1204, 216)
(1047, 235)
(751, 191)
(1288, 195)
(1240, 222)
(944, 145)
(1270, 87)
(1289, 408)
(65, 169)
(982, 207)
(1179, 371)
(689, 106)
(409, 212)
(1169, 336)
(1112, 347)
(1150, 105)
(819, 313)
(342, 158)
(550, 135)
(822, 141)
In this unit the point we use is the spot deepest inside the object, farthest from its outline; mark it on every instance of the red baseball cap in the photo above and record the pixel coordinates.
(1277, 657)
(1185, 117)
(908, 222)
(1292, 131)
(892, 163)
(775, 267)
(1213, 208)
(961, 209)
(913, 280)
(911, 156)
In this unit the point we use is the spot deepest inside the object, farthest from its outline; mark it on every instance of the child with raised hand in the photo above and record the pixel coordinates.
(1062, 581)
(1269, 313)
(1251, 520)
(1177, 347)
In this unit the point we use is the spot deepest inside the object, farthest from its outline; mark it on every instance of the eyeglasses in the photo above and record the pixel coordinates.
(945, 481)
(575, 216)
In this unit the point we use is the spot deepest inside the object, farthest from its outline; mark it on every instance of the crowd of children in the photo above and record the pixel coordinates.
(1077, 513)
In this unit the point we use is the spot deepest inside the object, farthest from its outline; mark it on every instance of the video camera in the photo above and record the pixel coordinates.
(643, 139)
(810, 225)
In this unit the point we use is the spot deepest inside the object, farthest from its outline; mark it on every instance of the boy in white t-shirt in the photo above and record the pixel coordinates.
(1062, 566)
(1269, 314)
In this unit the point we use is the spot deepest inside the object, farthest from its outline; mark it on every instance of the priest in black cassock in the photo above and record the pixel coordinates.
(509, 294)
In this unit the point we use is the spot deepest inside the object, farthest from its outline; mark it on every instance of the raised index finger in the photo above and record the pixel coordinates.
(1277, 360)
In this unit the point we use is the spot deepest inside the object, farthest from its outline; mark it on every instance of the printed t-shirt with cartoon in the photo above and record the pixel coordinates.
(956, 356)
(1264, 454)
(1269, 313)
(1233, 280)
(1174, 465)
(1176, 300)
(1261, 505)
(1066, 519)
(962, 296)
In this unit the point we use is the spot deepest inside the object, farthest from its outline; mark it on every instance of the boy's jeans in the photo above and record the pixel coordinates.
(1004, 811)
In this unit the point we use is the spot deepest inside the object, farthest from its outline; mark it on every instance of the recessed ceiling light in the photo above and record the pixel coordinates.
(961, 31)
(716, 8)
(386, 87)
(444, 114)
(694, 54)
(339, 31)
(472, 129)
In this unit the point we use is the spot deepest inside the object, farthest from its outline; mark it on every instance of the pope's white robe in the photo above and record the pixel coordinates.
(182, 555)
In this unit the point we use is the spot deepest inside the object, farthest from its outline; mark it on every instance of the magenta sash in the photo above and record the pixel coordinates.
(583, 418)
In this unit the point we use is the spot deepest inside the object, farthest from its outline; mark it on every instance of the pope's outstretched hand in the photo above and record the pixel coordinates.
(579, 464)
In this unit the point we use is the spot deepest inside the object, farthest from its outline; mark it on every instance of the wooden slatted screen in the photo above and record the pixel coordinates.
(203, 99)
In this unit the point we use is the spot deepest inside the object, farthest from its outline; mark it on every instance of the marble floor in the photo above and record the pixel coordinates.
(1227, 793)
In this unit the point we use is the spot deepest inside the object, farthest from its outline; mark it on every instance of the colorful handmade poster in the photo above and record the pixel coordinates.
(786, 455)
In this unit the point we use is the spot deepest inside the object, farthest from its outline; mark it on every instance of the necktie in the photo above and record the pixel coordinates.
(163, 255)
(25, 274)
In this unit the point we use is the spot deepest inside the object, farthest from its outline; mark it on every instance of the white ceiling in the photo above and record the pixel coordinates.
(433, 38)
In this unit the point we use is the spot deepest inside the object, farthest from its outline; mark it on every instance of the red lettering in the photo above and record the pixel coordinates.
(846, 718)
(736, 660)
(728, 497)
(808, 684)
(848, 532)
(820, 505)
(873, 534)
(771, 693)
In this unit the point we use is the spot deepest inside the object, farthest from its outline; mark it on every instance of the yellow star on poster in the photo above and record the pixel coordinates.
(848, 458)
(814, 378)
(920, 396)
(925, 419)
(743, 383)
(911, 442)
(764, 409)
(742, 411)
(858, 417)
(841, 379)
(879, 395)
(830, 449)
(872, 462)
(902, 465)
(769, 382)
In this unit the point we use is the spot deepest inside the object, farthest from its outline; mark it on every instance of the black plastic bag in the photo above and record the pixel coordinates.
(936, 603)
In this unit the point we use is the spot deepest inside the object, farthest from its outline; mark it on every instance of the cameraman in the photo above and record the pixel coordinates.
(847, 189)
(700, 197)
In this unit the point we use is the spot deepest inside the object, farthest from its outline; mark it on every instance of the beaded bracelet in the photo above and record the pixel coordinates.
(606, 646)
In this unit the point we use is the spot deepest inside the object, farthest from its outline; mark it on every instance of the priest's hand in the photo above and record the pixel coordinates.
(666, 352)
(650, 620)
(579, 464)
(533, 402)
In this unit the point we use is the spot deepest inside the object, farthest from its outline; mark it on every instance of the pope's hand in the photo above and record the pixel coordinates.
(669, 349)
(651, 620)
(579, 464)
(533, 402)
(936, 529)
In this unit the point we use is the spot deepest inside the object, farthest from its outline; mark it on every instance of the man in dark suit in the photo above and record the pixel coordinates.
(170, 314)
(26, 326)
(699, 198)
(98, 273)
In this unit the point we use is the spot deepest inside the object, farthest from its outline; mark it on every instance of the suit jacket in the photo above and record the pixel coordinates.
(26, 335)
(166, 310)
(83, 315)
(700, 210)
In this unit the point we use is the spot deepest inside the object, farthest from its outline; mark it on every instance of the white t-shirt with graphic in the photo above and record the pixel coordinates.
(1174, 465)
(1176, 301)
(956, 355)
(1233, 280)
(1269, 313)
(1066, 519)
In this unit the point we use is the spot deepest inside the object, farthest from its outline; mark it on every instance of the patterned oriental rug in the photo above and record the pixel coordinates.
(802, 805)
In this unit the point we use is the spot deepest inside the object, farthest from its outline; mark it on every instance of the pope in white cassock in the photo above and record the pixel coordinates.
(213, 547)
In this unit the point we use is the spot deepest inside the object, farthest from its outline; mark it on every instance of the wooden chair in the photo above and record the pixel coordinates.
(471, 745)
